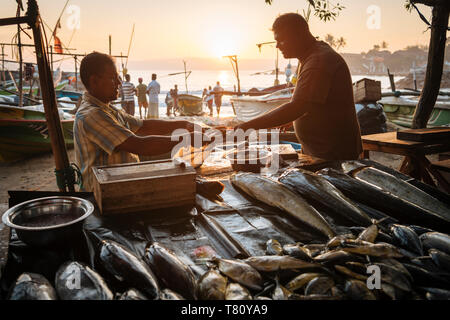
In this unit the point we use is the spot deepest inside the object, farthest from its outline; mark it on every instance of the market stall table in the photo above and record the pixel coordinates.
(414, 152)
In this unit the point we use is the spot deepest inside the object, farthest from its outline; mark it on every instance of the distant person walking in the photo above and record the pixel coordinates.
(128, 91)
(174, 95)
(153, 90)
(209, 100)
(169, 102)
(141, 90)
(218, 96)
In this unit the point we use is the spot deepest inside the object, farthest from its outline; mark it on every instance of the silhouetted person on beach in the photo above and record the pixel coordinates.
(322, 106)
(141, 90)
(104, 135)
(218, 97)
(153, 91)
(128, 91)
(174, 95)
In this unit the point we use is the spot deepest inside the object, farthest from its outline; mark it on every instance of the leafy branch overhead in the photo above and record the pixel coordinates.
(323, 9)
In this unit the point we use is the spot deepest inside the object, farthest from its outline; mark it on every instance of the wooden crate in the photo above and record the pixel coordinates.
(137, 187)
(366, 90)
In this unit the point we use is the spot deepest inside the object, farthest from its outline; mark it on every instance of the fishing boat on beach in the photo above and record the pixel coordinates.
(190, 105)
(24, 132)
(400, 110)
(250, 107)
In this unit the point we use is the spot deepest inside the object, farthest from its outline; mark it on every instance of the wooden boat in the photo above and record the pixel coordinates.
(400, 110)
(249, 107)
(24, 132)
(190, 105)
(11, 90)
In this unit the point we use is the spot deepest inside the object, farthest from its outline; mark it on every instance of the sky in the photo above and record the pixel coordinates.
(180, 29)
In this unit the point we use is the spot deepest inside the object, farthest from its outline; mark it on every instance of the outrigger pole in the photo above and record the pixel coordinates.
(234, 64)
(259, 45)
(65, 175)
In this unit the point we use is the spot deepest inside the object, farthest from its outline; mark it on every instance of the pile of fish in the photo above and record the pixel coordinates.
(132, 277)
(381, 238)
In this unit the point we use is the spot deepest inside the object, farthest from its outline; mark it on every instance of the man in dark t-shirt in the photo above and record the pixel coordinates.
(322, 106)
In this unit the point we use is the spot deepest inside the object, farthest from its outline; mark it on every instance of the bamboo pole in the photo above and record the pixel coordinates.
(50, 106)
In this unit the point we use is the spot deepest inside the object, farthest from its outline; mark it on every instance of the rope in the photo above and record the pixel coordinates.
(69, 176)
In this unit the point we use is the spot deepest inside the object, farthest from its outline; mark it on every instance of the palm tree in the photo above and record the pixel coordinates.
(340, 43)
(330, 40)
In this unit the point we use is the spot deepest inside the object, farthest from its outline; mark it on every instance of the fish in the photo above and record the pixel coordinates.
(262, 298)
(132, 294)
(280, 292)
(384, 250)
(273, 247)
(32, 286)
(211, 286)
(419, 230)
(321, 297)
(124, 266)
(301, 280)
(398, 266)
(88, 285)
(318, 191)
(388, 203)
(167, 294)
(357, 267)
(357, 290)
(237, 292)
(436, 294)
(297, 251)
(351, 166)
(394, 277)
(441, 259)
(425, 278)
(276, 263)
(407, 238)
(436, 240)
(336, 241)
(369, 234)
(319, 285)
(278, 195)
(314, 249)
(349, 273)
(241, 272)
(170, 270)
(403, 190)
(337, 257)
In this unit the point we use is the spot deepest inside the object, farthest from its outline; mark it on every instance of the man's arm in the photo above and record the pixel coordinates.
(147, 146)
(162, 127)
(285, 113)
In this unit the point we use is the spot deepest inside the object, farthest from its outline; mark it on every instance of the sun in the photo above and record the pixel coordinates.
(223, 42)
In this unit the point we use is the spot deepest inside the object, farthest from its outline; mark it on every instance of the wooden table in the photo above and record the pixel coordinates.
(415, 164)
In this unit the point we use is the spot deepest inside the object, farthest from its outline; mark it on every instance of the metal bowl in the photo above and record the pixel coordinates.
(49, 221)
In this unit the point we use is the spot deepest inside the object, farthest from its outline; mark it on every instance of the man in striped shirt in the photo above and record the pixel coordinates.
(128, 91)
(104, 135)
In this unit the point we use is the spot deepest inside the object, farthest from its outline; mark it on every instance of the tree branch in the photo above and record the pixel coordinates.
(430, 3)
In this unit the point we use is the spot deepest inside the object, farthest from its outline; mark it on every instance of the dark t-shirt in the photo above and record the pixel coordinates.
(329, 128)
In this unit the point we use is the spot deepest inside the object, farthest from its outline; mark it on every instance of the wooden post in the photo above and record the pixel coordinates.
(51, 59)
(435, 64)
(391, 80)
(76, 72)
(49, 99)
(109, 44)
(19, 47)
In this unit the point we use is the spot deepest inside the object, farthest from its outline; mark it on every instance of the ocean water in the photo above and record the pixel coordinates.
(198, 80)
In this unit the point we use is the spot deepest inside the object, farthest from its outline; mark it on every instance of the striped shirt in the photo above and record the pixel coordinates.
(98, 129)
(128, 91)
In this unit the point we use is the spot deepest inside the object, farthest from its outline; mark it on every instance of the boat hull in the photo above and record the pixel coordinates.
(190, 105)
(24, 133)
(248, 107)
(401, 112)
